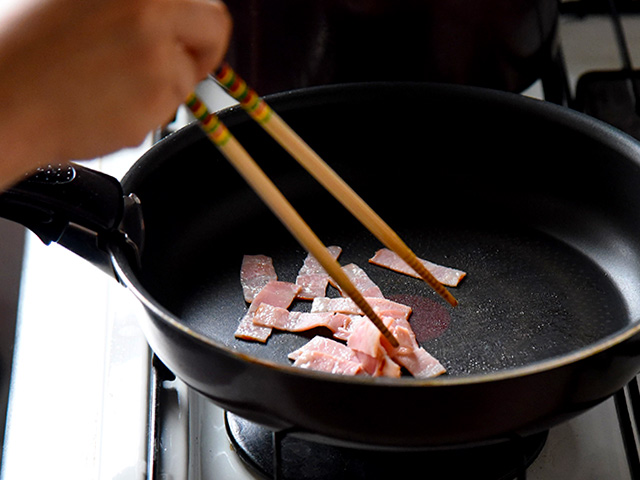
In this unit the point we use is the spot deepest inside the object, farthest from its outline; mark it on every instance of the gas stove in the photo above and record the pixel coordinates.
(90, 400)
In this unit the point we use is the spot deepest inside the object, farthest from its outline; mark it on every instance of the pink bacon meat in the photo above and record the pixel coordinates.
(327, 355)
(312, 278)
(419, 362)
(347, 327)
(275, 293)
(366, 341)
(347, 306)
(282, 319)
(387, 309)
(413, 357)
(389, 259)
(256, 271)
(360, 280)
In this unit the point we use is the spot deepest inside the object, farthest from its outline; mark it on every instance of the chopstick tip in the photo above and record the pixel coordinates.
(392, 339)
(452, 300)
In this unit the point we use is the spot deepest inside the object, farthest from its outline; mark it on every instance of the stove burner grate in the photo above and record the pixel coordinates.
(627, 402)
(284, 456)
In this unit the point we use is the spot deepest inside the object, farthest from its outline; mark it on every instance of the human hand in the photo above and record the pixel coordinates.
(81, 79)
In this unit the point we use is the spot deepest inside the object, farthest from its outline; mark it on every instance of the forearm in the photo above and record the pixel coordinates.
(82, 79)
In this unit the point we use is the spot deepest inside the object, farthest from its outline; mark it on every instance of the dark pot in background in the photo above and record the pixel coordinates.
(502, 44)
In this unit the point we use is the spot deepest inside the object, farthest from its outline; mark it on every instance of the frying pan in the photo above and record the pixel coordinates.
(539, 204)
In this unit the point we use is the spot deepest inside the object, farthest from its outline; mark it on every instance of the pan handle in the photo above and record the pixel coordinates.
(77, 207)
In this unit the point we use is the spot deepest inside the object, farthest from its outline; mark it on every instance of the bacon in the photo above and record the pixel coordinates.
(340, 305)
(366, 351)
(360, 280)
(326, 345)
(365, 338)
(275, 293)
(382, 366)
(376, 355)
(312, 278)
(348, 325)
(282, 319)
(272, 317)
(445, 275)
(248, 331)
(256, 271)
(326, 363)
(347, 306)
(366, 341)
(413, 357)
(419, 362)
(325, 354)
(350, 322)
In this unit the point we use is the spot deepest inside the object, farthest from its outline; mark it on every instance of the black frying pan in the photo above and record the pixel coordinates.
(539, 204)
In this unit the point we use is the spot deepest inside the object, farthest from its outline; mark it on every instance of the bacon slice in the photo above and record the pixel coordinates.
(282, 319)
(347, 306)
(323, 344)
(271, 317)
(327, 355)
(275, 293)
(320, 361)
(366, 341)
(340, 305)
(389, 259)
(413, 357)
(419, 362)
(360, 280)
(256, 271)
(312, 278)
(349, 324)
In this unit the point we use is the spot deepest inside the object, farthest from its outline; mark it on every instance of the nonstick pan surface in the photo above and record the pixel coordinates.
(539, 206)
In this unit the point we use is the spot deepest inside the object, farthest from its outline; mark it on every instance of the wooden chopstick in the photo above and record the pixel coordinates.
(276, 201)
(262, 113)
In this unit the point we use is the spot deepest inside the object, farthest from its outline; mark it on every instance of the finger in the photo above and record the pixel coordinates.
(204, 28)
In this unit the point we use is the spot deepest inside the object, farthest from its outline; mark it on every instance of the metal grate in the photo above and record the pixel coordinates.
(627, 403)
